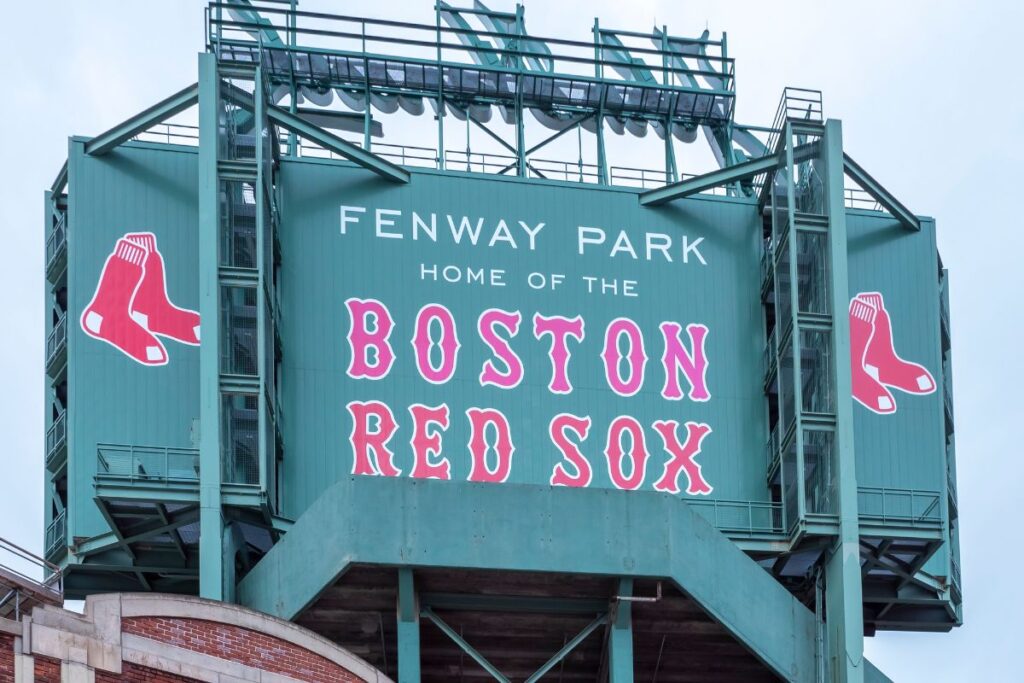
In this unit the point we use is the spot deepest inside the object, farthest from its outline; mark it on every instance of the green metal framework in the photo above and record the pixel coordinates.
(182, 526)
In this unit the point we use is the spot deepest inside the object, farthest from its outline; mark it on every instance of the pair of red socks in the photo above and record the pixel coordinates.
(874, 363)
(131, 309)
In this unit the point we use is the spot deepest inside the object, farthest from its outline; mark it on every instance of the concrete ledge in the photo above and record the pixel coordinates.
(10, 627)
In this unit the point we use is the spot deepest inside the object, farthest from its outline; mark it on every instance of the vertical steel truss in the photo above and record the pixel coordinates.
(815, 211)
(218, 163)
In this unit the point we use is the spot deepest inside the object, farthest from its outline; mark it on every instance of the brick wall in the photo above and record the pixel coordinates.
(133, 673)
(6, 658)
(47, 670)
(240, 645)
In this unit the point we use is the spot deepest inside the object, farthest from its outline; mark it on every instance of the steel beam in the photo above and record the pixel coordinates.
(465, 646)
(512, 603)
(61, 181)
(843, 596)
(880, 194)
(211, 521)
(567, 648)
(620, 635)
(158, 113)
(332, 142)
(723, 176)
(408, 628)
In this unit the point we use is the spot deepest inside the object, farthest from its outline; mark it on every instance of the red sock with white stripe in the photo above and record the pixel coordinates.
(881, 360)
(866, 388)
(152, 308)
(107, 315)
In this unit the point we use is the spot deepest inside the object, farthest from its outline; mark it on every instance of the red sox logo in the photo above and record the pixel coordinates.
(874, 363)
(131, 309)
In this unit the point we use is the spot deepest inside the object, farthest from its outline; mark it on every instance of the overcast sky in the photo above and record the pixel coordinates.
(928, 92)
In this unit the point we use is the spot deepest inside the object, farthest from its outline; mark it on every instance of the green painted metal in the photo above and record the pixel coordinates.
(329, 141)
(880, 194)
(408, 615)
(142, 188)
(464, 646)
(383, 521)
(158, 113)
(620, 635)
(512, 603)
(567, 648)
(325, 268)
(843, 598)
(730, 174)
(211, 522)
(60, 183)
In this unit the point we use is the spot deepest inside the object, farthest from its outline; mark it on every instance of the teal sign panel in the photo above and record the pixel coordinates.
(133, 374)
(493, 330)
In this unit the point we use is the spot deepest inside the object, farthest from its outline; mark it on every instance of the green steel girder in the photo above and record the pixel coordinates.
(322, 137)
(161, 523)
(405, 522)
(724, 176)
(408, 614)
(620, 635)
(332, 142)
(464, 646)
(512, 603)
(880, 194)
(159, 112)
(61, 181)
(567, 648)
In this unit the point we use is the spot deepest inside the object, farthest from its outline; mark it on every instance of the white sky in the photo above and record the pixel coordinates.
(928, 93)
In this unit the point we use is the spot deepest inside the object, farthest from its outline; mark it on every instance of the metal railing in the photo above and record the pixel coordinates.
(56, 533)
(56, 437)
(856, 198)
(146, 464)
(751, 518)
(796, 104)
(677, 68)
(18, 589)
(771, 448)
(171, 134)
(954, 575)
(908, 507)
(769, 352)
(56, 340)
(56, 241)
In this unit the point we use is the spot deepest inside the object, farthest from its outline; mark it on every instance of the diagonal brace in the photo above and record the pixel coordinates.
(567, 648)
(158, 113)
(466, 647)
(357, 155)
(880, 194)
(724, 176)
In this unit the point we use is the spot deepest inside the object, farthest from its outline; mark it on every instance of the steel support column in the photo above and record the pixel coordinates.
(408, 628)
(211, 522)
(843, 593)
(620, 636)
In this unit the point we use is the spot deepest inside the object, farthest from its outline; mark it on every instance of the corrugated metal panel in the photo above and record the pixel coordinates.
(322, 268)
